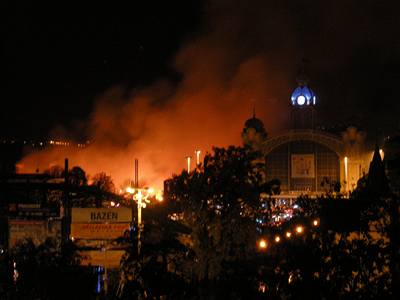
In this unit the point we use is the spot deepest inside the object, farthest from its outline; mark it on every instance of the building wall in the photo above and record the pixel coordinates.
(303, 166)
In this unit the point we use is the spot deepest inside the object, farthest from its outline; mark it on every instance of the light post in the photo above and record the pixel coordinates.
(346, 174)
(188, 160)
(262, 244)
(138, 196)
(197, 153)
(141, 197)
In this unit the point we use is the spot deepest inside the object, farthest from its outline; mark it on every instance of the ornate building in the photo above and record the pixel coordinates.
(307, 160)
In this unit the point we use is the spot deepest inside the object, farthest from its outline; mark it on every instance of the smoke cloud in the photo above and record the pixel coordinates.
(161, 125)
(225, 72)
(245, 55)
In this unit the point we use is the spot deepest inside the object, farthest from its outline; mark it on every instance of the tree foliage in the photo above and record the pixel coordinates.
(55, 171)
(220, 202)
(159, 270)
(77, 176)
(46, 272)
(104, 182)
(348, 256)
(209, 235)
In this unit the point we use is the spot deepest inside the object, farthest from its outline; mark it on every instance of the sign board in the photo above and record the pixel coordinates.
(101, 215)
(105, 258)
(303, 166)
(99, 230)
(37, 230)
(28, 206)
(23, 210)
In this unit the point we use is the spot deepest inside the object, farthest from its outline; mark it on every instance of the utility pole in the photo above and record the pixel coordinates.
(139, 198)
(66, 218)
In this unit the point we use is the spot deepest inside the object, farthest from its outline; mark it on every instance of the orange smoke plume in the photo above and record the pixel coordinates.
(163, 123)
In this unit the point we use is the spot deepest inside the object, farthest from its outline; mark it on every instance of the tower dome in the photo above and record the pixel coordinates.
(302, 94)
(254, 123)
(303, 103)
(254, 132)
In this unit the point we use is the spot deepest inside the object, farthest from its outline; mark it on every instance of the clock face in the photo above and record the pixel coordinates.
(301, 100)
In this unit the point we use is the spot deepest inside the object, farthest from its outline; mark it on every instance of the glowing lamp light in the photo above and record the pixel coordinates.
(303, 95)
(262, 287)
(262, 244)
(188, 159)
(346, 160)
(301, 100)
(288, 234)
(197, 153)
(299, 229)
(290, 279)
(315, 223)
(112, 203)
(277, 239)
(382, 153)
(130, 190)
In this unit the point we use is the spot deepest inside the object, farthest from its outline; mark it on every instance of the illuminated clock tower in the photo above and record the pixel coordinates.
(303, 102)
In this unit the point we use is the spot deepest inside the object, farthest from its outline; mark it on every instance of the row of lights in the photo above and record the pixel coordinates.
(263, 243)
(42, 144)
(62, 143)
(59, 143)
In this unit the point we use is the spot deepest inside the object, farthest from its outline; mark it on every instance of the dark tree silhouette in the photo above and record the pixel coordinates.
(104, 182)
(47, 272)
(220, 202)
(77, 177)
(55, 171)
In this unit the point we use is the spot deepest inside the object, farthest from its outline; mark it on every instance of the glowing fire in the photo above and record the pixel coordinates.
(161, 123)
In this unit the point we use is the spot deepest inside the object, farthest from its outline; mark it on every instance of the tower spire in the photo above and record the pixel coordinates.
(302, 78)
(253, 102)
(377, 182)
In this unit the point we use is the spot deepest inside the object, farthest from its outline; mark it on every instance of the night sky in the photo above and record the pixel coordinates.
(58, 57)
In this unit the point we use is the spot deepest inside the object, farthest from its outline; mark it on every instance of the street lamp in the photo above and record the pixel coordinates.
(346, 161)
(197, 153)
(262, 244)
(141, 197)
(188, 160)
(299, 229)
